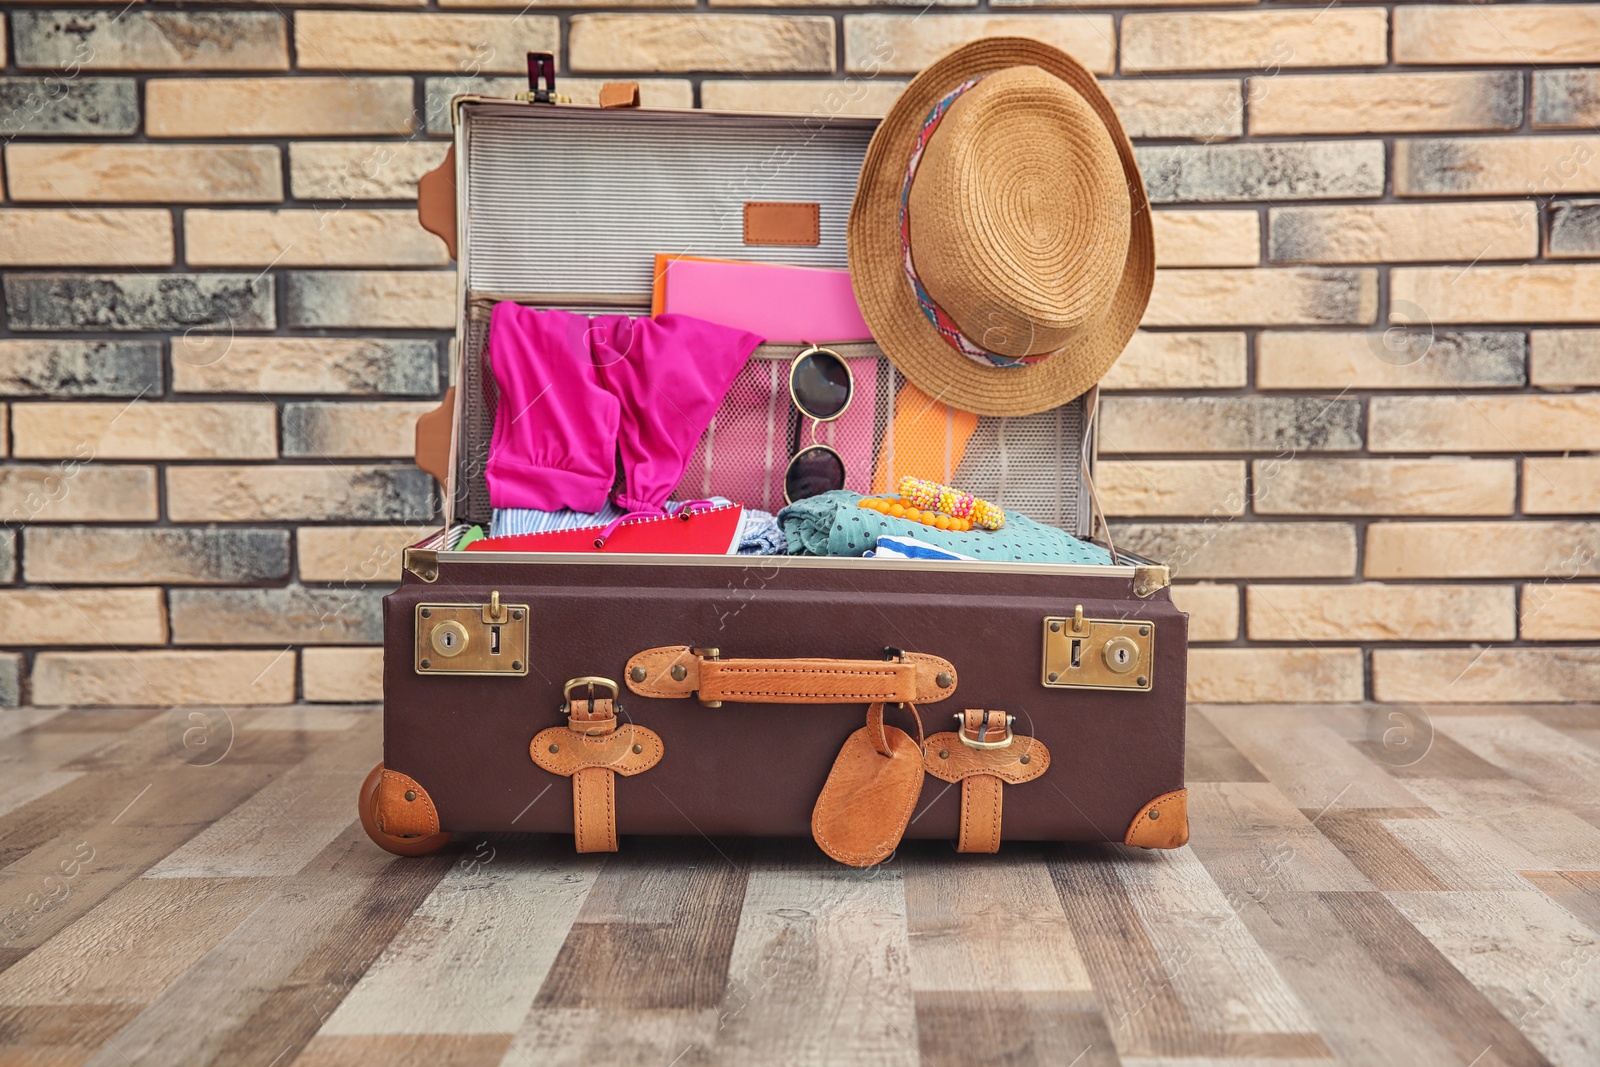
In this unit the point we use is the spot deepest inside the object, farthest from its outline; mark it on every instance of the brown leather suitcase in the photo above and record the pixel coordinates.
(603, 694)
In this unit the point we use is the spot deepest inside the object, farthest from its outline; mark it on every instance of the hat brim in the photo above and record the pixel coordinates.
(882, 289)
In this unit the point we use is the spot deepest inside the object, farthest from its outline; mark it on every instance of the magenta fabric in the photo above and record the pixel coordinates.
(671, 374)
(555, 425)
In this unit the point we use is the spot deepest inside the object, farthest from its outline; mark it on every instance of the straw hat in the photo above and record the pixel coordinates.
(1000, 242)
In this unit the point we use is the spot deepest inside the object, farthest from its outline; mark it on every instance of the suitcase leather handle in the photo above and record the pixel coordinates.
(680, 671)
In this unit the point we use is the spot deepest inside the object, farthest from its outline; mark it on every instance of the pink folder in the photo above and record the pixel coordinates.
(779, 302)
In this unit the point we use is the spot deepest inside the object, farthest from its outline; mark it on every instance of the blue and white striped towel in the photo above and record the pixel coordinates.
(910, 548)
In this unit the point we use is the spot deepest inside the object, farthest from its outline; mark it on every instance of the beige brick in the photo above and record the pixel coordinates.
(1484, 423)
(1204, 109)
(1256, 40)
(1213, 610)
(344, 237)
(1207, 238)
(146, 430)
(1372, 611)
(1171, 487)
(1385, 103)
(799, 43)
(1547, 292)
(347, 40)
(822, 98)
(1400, 233)
(391, 299)
(348, 429)
(1414, 357)
(1304, 486)
(1273, 297)
(361, 170)
(355, 554)
(1496, 33)
(357, 366)
(120, 39)
(278, 617)
(5, 430)
(79, 173)
(85, 238)
(1561, 611)
(904, 44)
(314, 493)
(164, 678)
(112, 617)
(1564, 359)
(1275, 675)
(77, 490)
(1165, 360)
(278, 107)
(1497, 166)
(171, 555)
(1227, 548)
(1561, 485)
(1522, 549)
(1485, 676)
(342, 675)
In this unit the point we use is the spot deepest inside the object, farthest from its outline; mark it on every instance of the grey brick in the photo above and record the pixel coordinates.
(80, 368)
(177, 302)
(276, 616)
(1229, 424)
(386, 299)
(149, 40)
(1276, 171)
(68, 107)
(1222, 547)
(1574, 228)
(437, 93)
(1566, 99)
(173, 555)
(1463, 358)
(10, 679)
(8, 556)
(299, 493)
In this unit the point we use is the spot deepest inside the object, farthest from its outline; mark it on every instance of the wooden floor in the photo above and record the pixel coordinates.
(192, 888)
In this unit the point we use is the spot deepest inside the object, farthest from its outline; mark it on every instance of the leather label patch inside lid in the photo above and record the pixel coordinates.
(770, 222)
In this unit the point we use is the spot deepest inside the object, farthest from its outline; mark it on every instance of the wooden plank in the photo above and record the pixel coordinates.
(1452, 856)
(316, 719)
(410, 1050)
(1251, 839)
(1309, 763)
(990, 923)
(1513, 819)
(1533, 960)
(1048, 1029)
(1543, 757)
(1361, 834)
(615, 964)
(1211, 757)
(589, 1037)
(474, 954)
(57, 1034)
(1577, 891)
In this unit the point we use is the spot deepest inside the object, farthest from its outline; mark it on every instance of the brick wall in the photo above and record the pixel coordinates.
(1358, 422)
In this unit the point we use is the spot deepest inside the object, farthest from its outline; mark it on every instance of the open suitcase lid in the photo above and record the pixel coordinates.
(566, 205)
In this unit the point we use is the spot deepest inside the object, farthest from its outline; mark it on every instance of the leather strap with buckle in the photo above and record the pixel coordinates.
(592, 749)
(984, 754)
(680, 671)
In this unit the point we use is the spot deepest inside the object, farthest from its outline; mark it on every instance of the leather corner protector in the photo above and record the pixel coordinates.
(434, 430)
(868, 798)
(1162, 823)
(771, 222)
(436, 201)
(657, 664)
(619, 94)
(562, 751)
(404, 807)
(1023, 760)
(929, 668)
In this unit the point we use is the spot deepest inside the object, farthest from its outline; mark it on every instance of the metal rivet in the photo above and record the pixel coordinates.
(1154, 814)
(555, 748)
(1144, 631)
(1054, 676)
(944, 753)
(679, 672)
(638, 674)
(1055, 627)
(944, 680)
(427, 613)
(1024, 759)
(637, 749)
(426, 664)
(516, 664)
(411, 794)
(1143, 680)
(516, 615)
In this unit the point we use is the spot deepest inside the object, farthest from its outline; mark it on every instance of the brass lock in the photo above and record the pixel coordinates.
(478, 638)
(1082, 653)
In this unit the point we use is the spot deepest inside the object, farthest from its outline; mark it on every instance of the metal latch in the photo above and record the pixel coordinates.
(487, 638)
(1082, 653)
(542, 81)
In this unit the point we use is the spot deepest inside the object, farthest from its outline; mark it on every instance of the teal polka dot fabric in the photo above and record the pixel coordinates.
(833, 525)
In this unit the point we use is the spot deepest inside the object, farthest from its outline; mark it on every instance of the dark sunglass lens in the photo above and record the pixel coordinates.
(821, 385)
(814, 471)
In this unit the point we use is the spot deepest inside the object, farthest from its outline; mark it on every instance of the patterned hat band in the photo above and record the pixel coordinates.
(942, 322)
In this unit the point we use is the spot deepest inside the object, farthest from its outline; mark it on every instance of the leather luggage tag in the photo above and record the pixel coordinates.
(871, 792)
(776, 222)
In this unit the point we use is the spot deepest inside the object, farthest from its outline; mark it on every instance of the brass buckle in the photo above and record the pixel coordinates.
(588, 681)
(961, 732)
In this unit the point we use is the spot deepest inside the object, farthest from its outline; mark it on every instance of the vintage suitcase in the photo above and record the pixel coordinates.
(742, 695)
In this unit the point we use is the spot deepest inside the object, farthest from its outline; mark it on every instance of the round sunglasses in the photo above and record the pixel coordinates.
(821, 386)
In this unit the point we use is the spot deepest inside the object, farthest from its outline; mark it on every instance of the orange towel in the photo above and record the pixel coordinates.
(925, 440)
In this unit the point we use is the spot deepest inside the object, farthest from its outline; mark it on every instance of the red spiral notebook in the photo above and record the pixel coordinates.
(712, 532)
